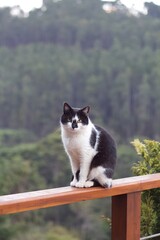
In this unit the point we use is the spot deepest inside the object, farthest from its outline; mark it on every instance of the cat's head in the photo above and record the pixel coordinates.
(74, 119)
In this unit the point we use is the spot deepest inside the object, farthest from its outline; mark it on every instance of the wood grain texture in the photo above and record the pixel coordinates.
(126, 211)
(20, 202)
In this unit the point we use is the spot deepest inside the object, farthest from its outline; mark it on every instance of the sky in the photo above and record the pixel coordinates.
(138, 4)
(27, 5)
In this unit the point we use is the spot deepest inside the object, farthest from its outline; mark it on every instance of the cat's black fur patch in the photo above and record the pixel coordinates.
(93, 138)
(106, 147)
(67, 117)
(82, 116)
(96, 183)
(77, 175)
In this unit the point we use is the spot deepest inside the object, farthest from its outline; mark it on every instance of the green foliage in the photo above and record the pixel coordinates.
(10, 137)
(33, 166)
(6, 230)
(126, 157)
(153, 9)
(47, 232)
(49, 75)
(27, 167)
(16, 175)
(73, 51)
(149, 152)
(148, 216)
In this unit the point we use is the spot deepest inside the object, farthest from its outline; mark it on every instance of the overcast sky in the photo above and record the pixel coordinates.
(27, 5)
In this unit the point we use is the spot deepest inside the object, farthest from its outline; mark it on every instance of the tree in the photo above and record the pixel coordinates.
(149, 152)
(153, 9)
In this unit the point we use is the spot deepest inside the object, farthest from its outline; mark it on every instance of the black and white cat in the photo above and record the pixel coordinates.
(91, 150)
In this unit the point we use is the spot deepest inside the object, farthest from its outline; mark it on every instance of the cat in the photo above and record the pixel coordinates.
(91, 150)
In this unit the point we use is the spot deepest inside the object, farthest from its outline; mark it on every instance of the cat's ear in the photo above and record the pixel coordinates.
(85, 109)
(66, 107)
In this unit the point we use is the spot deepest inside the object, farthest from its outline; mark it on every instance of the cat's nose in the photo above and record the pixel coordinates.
(74, 124)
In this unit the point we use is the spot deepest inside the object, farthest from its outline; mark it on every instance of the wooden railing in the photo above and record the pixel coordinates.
(126, 202)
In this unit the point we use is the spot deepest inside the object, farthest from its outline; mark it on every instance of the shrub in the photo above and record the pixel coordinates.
(149, 163)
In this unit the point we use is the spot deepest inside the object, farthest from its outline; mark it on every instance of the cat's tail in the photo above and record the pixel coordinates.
(106, 184)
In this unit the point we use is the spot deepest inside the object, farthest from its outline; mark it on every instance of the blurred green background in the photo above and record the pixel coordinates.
(72, 50)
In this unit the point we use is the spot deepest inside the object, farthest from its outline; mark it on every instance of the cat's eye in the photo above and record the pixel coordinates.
(68, 120)
(79, 121)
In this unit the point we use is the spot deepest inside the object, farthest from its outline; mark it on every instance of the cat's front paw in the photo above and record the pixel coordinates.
(73, 183)
(88, 184)
(80, 184)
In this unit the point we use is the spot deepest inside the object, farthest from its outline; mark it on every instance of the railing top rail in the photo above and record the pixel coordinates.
(20, 202)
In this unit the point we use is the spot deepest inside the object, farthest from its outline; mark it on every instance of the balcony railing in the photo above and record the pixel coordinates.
(126, 202)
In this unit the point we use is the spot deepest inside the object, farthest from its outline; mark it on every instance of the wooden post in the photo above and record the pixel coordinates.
(126, 211)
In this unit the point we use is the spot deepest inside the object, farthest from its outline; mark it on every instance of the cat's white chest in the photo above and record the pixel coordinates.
(76, 143)
(78, 146)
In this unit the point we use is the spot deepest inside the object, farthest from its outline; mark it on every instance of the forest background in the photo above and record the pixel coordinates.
(76, 52)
